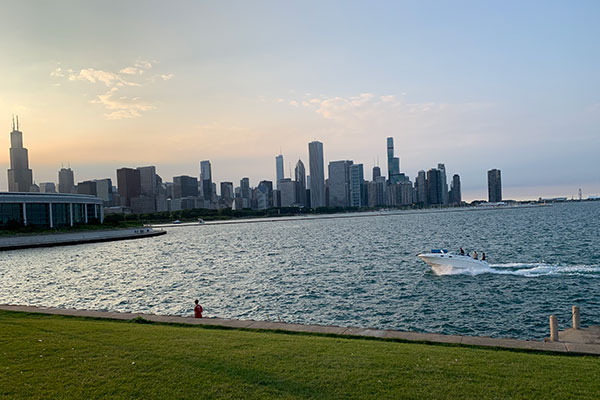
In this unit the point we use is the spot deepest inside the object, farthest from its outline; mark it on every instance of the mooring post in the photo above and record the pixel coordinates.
(576, 318)
(553, 329)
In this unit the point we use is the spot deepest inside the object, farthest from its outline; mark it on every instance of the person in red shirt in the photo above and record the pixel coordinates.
(197, 310)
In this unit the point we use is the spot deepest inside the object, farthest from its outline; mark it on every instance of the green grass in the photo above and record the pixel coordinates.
(57, 357)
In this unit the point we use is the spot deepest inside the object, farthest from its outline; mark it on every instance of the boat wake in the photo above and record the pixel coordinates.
(527, 269)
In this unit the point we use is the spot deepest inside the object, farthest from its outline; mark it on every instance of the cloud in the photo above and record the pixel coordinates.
(57, 73)
(143, 64)
(131, 77)
(124, 107)
(131, 71)
(92, 75)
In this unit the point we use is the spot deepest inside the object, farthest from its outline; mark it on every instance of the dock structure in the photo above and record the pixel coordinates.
(418, 337)
(576, 336)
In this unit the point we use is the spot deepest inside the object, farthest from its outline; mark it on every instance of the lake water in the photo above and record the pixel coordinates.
(359, 271)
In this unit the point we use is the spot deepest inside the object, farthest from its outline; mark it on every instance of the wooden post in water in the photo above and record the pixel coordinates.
(553, 328)
(576, 318)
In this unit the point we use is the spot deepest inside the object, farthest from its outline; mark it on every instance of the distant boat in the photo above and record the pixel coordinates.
(177, 221)
(443, 262)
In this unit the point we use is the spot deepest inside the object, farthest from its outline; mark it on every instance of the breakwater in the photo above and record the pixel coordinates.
(71, 238)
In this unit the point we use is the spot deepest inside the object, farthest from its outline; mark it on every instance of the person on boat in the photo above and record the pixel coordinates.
(475, 255)
(462, 252)
(197, 310)
(483, 257)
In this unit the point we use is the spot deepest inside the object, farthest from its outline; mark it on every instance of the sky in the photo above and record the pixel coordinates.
(475, 85)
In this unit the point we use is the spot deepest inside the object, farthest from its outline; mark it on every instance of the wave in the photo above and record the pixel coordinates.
(527, 270)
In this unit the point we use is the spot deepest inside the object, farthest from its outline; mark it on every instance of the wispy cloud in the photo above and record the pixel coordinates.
(122, 107)
(119, 106)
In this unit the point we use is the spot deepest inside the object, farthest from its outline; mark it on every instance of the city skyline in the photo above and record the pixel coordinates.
(452, 84)
(205, 186)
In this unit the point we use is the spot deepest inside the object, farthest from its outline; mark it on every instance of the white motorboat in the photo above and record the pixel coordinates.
(442, 262)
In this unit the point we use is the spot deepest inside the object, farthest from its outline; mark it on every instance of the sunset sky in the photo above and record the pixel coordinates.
(476, 85)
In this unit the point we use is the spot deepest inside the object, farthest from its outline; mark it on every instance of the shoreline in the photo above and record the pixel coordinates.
(73, 238)
(354, 214)
(408, 336)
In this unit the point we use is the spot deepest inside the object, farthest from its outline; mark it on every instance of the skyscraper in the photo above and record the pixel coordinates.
(393, 162)
(66, 180)
(20, 177)
(128, 181)
(376, 172)
(339, 183)
(184, 186)
(279, 170)
(317, 174)
(245, 192)
(148, 180)
(455, 192)
(494, 186)
(357, 185)
(434, 186)
(206, 180)
(104, 191)
(421, 187)
(444, 183)
(227, 193)
(300, 177)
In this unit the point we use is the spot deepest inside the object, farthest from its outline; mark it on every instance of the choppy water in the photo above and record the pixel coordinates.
(352, 271)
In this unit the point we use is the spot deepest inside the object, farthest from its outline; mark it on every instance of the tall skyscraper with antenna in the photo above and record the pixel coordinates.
(20, 177)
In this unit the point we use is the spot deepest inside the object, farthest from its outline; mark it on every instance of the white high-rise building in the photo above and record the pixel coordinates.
(317, 174)
(279, 170)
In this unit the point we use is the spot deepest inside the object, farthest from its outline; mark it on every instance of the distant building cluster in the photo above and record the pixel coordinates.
(141, 190)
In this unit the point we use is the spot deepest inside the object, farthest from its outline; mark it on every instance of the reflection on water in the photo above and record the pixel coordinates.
(350, 271)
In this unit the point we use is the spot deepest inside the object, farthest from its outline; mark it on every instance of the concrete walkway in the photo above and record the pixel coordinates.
(558, 347)
(79, 237)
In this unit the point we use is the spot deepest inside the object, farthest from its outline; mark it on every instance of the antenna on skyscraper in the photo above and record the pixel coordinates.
(17, 122)
(13, 121)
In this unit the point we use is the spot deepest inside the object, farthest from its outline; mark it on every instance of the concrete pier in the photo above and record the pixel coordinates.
(79, 237)
(557, 347)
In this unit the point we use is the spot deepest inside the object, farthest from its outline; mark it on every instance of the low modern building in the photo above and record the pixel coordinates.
(51, 210)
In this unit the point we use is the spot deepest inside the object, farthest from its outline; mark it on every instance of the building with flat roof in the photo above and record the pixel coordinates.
(494, 186)
(317, 174)
(51, 210)
(129, 183)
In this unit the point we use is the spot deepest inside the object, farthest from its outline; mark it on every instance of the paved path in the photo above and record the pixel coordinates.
(558, 347)
(79, 237)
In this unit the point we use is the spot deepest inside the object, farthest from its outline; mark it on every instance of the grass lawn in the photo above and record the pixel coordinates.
(43, 356)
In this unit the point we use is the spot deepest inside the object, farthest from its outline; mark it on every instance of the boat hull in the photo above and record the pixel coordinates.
(443, 264)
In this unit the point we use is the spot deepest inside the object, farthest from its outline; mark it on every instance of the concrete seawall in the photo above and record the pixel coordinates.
(71, 238)
(527, 345)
